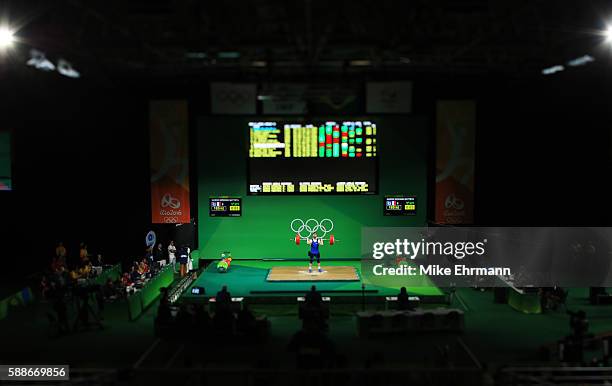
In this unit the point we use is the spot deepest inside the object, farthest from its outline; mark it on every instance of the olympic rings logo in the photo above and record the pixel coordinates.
(311, 226)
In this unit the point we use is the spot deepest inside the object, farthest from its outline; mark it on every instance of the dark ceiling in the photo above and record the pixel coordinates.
(166, 39)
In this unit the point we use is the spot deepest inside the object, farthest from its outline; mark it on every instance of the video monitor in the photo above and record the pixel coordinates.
(400, 205)
(313, 157)
(225, 207)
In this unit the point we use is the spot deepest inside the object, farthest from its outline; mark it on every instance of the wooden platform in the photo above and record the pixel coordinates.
(331, 273)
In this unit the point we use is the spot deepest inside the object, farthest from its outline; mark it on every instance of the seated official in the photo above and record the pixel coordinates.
(403, 301)
(313, 298)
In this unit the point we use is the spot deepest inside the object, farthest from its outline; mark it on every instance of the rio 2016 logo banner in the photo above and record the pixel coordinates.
(169, 162)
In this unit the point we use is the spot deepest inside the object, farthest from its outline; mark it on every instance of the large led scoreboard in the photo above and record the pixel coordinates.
(326, 157)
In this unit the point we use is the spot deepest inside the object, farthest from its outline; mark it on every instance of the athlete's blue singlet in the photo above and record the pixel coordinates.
(314, 247)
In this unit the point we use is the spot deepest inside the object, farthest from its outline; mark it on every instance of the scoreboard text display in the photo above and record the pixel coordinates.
(225, 207)
(318, 157)
(400, 206)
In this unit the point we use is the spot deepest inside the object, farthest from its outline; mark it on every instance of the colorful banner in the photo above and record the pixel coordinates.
(169, 162)
(455, 135)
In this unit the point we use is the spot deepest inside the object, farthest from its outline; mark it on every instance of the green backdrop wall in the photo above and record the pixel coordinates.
(263, 230)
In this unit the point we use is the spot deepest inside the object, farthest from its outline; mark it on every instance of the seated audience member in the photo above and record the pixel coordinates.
(126, 279)
(135, 275)
(223, 299)
(552, 297)
(83, 254)
(60, 277)
(143, 267)
(313, 298)
(109, 290)
(55, 264)
(44, 287)
(85, 270)
(60, 253)
(403, 300)
(97, 261)
(74, 275)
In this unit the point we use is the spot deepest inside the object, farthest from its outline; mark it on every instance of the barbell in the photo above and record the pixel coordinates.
(297, 239)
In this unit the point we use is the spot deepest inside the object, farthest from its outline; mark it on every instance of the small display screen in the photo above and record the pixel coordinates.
(225, 207)
(400, 206)
(197, 291)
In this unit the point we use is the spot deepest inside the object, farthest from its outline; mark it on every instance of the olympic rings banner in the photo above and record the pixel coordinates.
(169, 135)
(305, 228)
(455, 136)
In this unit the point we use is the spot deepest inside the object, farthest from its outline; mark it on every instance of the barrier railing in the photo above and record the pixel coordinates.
(139, 301)
(19, 298)
(112, 272)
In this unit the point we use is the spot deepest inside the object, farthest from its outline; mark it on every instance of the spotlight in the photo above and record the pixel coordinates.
(552, 70)
(608, 34)
(6, 37)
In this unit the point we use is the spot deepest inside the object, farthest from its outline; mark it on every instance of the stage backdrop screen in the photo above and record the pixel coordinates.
(5, 161)
(313, 157)
(264, 229)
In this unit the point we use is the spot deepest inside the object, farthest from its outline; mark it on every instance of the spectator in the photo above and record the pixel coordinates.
(126, 279)
(403, 300)
(73, 275)
(109, 290)
(60, 253)
(223, 298)
(56, 264)
(313, 299)
(97, 261)
(158, 253)
(143, 267)
(44, 287)
(172, 255)
(83, 254)
(134, 274)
